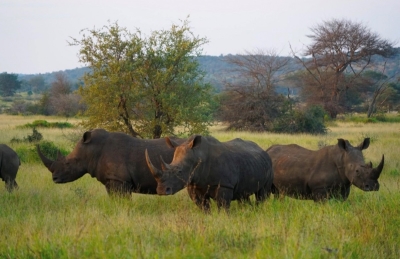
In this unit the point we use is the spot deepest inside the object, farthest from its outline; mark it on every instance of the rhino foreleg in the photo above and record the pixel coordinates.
(118, 188)
(224, 197)
(11, 185)
(201, 200)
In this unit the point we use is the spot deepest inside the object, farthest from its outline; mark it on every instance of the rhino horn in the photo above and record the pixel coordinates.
(369, 164)
(164, 165)
(376, 172)
(155, 172)
(59, 155)
(47, 162)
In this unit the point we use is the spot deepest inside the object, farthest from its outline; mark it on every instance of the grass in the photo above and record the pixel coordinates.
(79, 220)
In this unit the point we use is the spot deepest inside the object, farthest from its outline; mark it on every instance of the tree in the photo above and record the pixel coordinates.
(9, 84)
(337, 48)
(250, 101)
(37, 83)
(145, 86)
(62, 100)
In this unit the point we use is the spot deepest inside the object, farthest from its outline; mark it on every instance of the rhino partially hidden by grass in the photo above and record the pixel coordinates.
(9, 165)
(223, 171)
(115, 159)
(323, 174)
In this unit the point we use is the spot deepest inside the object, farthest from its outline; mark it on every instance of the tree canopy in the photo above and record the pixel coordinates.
(251, 102)
(145, 86)
(9, 84)
(338, 48)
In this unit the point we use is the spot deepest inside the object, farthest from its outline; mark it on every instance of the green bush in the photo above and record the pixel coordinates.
(46, 124)
(309, 121)
(29, 154)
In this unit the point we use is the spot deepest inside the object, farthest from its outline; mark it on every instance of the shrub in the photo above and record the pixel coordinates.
(46, 124)
(309, 121)
(35, 137)
(28, 154)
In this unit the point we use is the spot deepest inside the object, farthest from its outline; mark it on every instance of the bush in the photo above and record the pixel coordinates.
(35, 137)
(46, 124)
(28, 154)
(309, 121)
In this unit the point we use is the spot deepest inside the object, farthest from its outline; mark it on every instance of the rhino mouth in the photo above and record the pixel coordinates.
(371, 187)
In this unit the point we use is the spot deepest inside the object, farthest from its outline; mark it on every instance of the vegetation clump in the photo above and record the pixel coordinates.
(35, 137)
(310, 121)
(46, 124)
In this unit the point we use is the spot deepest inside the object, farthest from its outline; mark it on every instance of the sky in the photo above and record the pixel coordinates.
(34, 34)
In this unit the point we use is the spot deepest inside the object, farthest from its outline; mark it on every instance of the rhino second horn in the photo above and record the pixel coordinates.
(164, 165)
(156, 173)
(376, 172)
(47, 162)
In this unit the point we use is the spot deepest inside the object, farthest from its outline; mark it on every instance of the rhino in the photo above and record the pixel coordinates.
(323, 174)
(115, 159)
(223, 171)
(9, 165)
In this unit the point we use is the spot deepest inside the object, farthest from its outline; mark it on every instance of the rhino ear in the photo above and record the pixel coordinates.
(87, 137)
(170, 143)
(364, 144)
(196, 141)
(342, 143)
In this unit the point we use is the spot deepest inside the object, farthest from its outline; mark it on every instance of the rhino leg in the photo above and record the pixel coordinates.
(11, 185)
(243, 200)
(224, 197)
(201, 200)
(263, 193)
(320, 195)
(118, 188)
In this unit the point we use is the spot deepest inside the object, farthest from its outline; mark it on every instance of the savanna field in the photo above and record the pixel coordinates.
(78, 220)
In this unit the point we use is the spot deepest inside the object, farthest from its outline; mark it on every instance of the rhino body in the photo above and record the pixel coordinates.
(223, 171)
(115, 159)
(9, 165)
(323, 174)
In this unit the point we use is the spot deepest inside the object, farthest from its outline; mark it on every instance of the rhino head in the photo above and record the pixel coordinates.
(362, 175)
(175, 176)
(69, 168)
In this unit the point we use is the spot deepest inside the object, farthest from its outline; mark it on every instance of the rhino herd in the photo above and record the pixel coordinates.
(207, 168)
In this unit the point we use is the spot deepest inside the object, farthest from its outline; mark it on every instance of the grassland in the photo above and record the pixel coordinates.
(79, 220)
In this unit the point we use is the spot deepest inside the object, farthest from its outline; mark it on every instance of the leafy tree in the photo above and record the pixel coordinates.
(337, 48)
(250, 102)
(9, 84)
(37, 84)
(145, 86)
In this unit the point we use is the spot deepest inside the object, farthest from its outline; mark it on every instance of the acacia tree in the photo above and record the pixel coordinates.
(9, 84)
(381, 89)
(250, 101)
(338, 48)
(145, 86)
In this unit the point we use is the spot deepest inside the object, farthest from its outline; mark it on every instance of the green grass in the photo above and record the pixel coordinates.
(79, 220)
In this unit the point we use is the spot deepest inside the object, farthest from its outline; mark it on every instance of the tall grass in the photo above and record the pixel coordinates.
(79, 220)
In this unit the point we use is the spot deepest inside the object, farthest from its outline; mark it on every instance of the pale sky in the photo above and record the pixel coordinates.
(34, 33)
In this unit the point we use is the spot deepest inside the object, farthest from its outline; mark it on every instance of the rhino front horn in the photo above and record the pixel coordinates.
(376, 172)
(156, 173)
(47, 162)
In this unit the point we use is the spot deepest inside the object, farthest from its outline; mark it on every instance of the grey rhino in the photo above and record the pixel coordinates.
(115, 159)
(9, 165)
(323, 174)
(223, 171)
